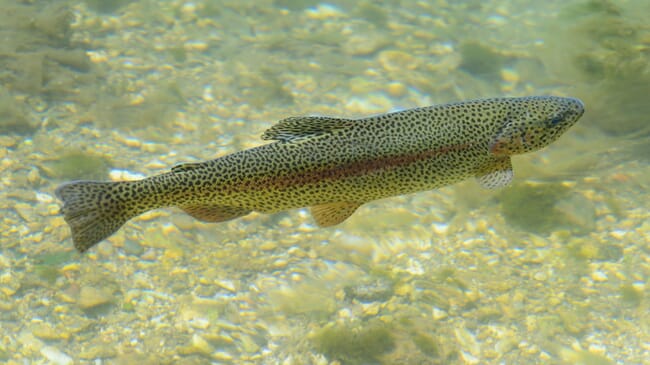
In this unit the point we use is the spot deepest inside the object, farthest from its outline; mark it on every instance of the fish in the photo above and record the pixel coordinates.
(332, 165)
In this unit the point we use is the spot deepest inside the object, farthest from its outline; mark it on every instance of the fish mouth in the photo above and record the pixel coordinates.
(577, 106)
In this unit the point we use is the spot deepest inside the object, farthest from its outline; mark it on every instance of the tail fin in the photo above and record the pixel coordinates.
(89, 214)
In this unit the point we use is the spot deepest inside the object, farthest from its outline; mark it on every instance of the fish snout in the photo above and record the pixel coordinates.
(577, 105)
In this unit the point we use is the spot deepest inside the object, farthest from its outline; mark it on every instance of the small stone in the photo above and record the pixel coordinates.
(33, 177)
(45, 331)
(280, 264)
(201, 345)
(184, 222)
(248, 344)
(370, 290)
(226, 284)
(370, 310)
(509, 75)
(100, 351)
(56, 356)
(323, 11)
(222, 356)
(439, 314)
(467, 341)
(598, 276)
(268, 246)
(363, 45)
(393, 61)
(24, 211)
(396, 89)
(132, 247)
(90, 297)
(540, 276)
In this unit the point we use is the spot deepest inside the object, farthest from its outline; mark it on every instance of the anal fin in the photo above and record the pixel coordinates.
(331, 214)
(214, 213)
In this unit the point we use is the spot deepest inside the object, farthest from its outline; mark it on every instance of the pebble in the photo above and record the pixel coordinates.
(248, 344)
(222, 356)
(198, 346)
(55, 356)
(90, 297)
(467, 341)
(184, 222)
(369, 290)
(438, 314)
(396, 89)
(268, 246)
(323, 11)
(226, 284)
(392, 61)
(45, 331)
(598, 276)
(362, 45)
(98, 351)
(25, 211)
(201, 345)
(540, 276)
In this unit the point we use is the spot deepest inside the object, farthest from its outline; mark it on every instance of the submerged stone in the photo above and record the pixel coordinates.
(355, 344)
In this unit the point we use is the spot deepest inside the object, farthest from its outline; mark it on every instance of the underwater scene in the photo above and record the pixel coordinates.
(549, 266)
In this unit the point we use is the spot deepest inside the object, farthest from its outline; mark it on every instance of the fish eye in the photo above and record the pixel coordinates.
(556, 119)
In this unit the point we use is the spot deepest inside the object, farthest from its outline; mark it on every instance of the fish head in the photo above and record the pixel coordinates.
(532, 123)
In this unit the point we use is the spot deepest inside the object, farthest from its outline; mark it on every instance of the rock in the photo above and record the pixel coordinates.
(90, 297)
(56, 356)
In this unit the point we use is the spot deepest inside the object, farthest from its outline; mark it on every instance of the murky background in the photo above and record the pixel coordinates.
(553, 269)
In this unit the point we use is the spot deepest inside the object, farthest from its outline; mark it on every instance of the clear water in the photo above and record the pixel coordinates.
(553, 269)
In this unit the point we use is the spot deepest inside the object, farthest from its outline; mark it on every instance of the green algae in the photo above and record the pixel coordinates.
(355, 343)
(590, 7)
(306, 299)
(13, 116)
(631, 295)
(481, 60)
(54, 258)
(372, 13)
(584, 357)
(47, 273)
(157, 109)
(47, 265)
(295, 4)
(427, 344)
(106, 6)
(589, 250)
(370, 289)
(533, 207)
(266, 88)
(575, 322)
(178, 53)
(80, 165)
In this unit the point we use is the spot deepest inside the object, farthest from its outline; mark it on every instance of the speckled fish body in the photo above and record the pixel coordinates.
(333, 165)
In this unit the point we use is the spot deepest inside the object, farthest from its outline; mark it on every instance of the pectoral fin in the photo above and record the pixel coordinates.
(497, 175)
(331, 214)
(214, 213)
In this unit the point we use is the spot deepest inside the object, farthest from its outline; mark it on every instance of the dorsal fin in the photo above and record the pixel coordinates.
(184, 167)
(301, 127)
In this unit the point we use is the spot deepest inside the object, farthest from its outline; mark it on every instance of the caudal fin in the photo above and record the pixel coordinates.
(91, 216)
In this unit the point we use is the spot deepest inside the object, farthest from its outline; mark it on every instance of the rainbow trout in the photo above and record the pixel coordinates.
(332, 165)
